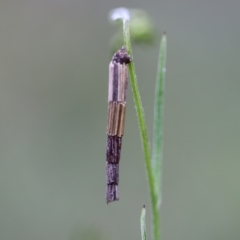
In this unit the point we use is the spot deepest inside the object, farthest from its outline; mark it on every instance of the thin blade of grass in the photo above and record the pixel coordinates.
(157, 144)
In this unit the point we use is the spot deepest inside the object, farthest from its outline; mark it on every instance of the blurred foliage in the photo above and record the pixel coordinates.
(142, 30)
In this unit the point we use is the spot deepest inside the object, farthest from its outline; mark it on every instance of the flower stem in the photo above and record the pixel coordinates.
(143, 133)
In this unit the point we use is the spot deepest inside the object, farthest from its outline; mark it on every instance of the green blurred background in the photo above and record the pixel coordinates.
(54, 57)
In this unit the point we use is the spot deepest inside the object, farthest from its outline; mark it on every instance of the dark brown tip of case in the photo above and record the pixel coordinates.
(121, 56)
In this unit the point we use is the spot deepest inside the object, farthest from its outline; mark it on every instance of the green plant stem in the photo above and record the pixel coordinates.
(143, 133)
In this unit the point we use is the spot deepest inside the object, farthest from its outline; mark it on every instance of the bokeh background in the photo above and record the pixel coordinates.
(54, 57)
